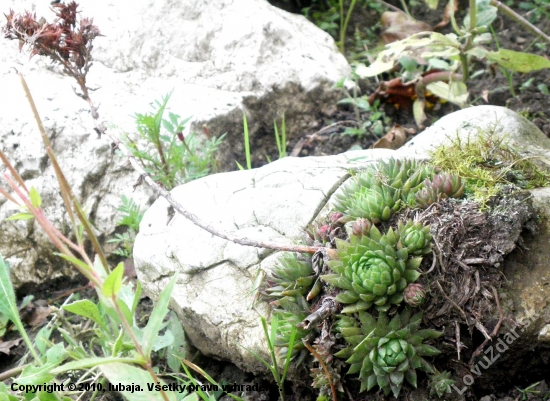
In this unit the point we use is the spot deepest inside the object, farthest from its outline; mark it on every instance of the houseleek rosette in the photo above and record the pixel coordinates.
(441, 384)
(372, 271)
(291, 277)
(291, 311)
(441, 186)
(384, 352)
(415, 237)
(414, 295)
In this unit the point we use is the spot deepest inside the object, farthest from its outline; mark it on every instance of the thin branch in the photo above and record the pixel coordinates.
(325, 369)
(520, 20)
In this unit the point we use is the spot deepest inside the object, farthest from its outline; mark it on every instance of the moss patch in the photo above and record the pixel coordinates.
(487, 164)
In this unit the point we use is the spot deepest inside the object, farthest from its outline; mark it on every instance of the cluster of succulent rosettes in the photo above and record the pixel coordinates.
(379, 191)
(375, 269)
(441, 186)
(385, 352)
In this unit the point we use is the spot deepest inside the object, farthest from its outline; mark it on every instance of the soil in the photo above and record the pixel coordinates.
(488, 85)
(326, 136)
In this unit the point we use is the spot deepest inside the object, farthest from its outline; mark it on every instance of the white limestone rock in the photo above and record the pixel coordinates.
(213, 55)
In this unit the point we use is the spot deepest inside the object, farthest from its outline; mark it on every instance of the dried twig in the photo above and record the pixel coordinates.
(325, 369)
(495, 331)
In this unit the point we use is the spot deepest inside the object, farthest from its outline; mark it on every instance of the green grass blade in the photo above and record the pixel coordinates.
(246, 143)
(9, 306)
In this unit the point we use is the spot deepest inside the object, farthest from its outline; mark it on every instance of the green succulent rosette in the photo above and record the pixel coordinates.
(290, 313)
(386, 353)
(372, 271)
(291, 277)
(415, 237)
(441, 384)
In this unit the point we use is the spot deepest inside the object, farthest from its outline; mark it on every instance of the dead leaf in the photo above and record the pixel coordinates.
(36, 313)
(394, 139)
(400, 95)
(485, 95)
(397, 26)
(5, 346)
(446, 15)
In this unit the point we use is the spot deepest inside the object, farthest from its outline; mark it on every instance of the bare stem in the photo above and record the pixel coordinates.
(520, 20)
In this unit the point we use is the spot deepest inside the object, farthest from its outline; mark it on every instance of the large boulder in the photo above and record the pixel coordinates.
(217, 57)
(214, 296)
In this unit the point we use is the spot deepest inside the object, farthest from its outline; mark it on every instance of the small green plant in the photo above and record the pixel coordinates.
(167, 155)
(115, 349)
(536, 10)
(246, 146)
(451, 55)
(332, 17)
(280, 138)
(386, 352)
(271, 338)
(131, 216)
(441, 383)
(528, 390)
(375, 118)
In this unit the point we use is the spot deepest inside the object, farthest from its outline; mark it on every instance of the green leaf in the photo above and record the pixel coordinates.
(178, 349)
(21, 216)
(418, 112)
(112, 284)
(42, 339)
(8, 305)
(347, 297)
(121, 373)
(163, 341)
(427, 350)
(88, 309)
(456, 92)
(43, 374)
(337, 280)
(83, 364)
(485, 14)
(151, 331)
(518, 61)
(432, 4)
(36, 201)
(478, 51)
(4, 395)
(73, 260)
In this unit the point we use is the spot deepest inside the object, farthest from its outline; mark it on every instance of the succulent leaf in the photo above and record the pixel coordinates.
(381, 189)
